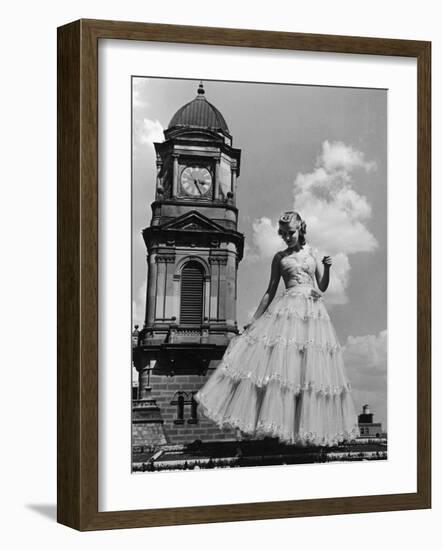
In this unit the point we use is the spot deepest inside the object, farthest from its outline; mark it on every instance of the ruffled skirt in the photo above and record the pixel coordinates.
(284, 377)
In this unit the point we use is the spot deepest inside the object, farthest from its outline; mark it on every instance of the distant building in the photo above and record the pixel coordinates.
(367, 427)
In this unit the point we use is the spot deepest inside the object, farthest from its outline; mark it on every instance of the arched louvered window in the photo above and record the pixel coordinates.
(191, 304)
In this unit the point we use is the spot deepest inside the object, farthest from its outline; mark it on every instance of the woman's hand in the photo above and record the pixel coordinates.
(315, 294)
(327, 261)
(324, 278)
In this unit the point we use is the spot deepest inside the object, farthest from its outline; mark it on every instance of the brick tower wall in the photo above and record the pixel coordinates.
(164, 391)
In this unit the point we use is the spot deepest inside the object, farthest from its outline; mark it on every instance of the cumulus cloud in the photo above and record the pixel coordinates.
(339, 156)
(149, 131)
(146, 131)
(366, 362)
(265, 239)
(339, 277)
(335, 213)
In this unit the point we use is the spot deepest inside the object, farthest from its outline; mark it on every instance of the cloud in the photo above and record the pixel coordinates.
(139, 304)
(265, 239)
(339, 156)
(339, 276)
(149, 131)
(370, 350)
(366, 364)
(335, 213)
(146, 133)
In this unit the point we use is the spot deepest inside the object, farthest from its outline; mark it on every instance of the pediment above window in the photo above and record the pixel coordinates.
(192, 221)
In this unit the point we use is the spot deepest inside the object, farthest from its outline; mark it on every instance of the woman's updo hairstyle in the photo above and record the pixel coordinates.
(292, 221)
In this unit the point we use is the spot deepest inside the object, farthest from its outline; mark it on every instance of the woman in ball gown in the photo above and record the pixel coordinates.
(284, 376)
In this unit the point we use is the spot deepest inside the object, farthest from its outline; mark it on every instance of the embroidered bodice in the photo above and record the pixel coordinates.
(298, 268)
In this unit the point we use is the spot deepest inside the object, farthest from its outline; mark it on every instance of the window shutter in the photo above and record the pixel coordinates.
(191, 310)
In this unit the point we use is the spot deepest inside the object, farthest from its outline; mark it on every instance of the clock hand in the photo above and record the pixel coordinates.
(196, 182)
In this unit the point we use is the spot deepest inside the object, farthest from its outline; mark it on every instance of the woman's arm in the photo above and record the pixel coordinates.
(325, 279)
(266, 300)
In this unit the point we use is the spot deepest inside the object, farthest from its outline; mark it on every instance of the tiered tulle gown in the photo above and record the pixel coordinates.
(284, 376)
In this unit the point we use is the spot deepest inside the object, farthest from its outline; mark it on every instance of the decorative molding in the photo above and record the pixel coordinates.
(221, 260)
(162, 258)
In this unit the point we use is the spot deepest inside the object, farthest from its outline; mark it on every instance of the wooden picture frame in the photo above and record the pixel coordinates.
(78, 274)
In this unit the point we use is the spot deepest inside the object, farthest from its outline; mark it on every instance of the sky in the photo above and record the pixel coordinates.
(321, 151)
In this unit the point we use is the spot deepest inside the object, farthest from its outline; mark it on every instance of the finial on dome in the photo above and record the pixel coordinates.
(201, 88)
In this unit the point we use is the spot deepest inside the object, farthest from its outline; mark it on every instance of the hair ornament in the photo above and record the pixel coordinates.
(290, 221)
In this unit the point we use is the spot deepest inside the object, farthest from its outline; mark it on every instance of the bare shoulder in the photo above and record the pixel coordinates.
(276, 262)
(277, 257)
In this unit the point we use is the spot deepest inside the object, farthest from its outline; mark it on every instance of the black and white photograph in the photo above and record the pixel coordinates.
(259, 274)
(218, 221)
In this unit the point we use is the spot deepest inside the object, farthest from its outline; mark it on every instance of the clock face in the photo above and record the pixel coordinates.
(196, 181)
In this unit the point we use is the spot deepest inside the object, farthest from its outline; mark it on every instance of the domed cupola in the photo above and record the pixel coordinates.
(197, 164)
(199, 113)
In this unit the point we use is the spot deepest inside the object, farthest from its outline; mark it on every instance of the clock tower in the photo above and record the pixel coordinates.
(193, 250)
